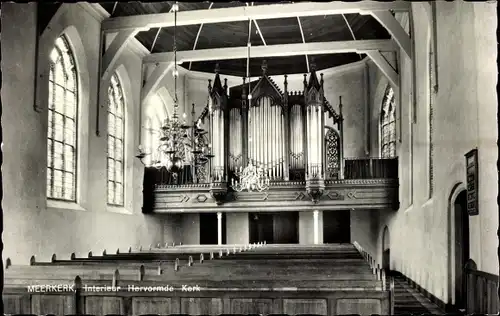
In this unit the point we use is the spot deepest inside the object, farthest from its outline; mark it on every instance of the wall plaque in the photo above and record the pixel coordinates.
(472, 182)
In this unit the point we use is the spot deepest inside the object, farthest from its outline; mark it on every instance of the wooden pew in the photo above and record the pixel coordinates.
(286, 300)
(267, 281)
(207, 270)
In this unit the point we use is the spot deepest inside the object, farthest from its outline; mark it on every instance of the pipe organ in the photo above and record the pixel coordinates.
(297, 159)
(217, 105)
(266, 136)
(282, 132)
(314, 100)
(235, 139)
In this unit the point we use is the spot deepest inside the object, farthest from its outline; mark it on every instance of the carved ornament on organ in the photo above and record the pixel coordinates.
(282, 132)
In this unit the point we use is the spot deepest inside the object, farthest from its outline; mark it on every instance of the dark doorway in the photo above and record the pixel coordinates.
(261, 227)
(386, 250)
(274, 228)
(285, 228)
(336, 226)
(461, 248)
(208, 229)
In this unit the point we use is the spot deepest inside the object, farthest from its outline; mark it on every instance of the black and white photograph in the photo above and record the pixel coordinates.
(286, 158)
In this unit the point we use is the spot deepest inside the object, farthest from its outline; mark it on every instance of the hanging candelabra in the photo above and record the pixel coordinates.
(180, 144)
(252, 178)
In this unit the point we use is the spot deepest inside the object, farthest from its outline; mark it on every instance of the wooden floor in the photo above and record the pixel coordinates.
(408, 301)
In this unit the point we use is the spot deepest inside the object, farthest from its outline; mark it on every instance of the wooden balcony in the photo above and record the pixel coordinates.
(368, 183)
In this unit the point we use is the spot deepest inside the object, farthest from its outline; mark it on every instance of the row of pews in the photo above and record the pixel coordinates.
(202, 280)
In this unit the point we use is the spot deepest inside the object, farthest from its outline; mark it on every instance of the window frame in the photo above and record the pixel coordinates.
(119, 86)
(388, 124)
(68, 70)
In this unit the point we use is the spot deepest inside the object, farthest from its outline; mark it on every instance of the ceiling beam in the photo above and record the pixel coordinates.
(165, 61)
(199, 32)
(154, 79)
(384, 67)
(157, 34)
(114, 50)
(349, 27)
(398, 33)
(350, 30)
(258, 29)
(335, 47)
(303, 41)
(260, 33)
(260, 12)
(114, 7)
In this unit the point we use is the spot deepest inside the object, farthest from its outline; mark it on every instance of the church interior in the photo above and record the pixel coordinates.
(263, 158)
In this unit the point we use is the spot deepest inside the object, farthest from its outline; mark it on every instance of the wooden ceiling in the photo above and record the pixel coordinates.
(234, 34)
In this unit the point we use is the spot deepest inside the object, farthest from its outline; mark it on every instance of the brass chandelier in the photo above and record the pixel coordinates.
(180, 143)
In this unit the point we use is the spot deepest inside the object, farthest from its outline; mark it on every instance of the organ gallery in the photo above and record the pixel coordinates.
(256, 143)
(346, 170)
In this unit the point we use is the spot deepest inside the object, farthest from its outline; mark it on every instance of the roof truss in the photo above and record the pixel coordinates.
(163, 62)
(387, 20)
(316, 48)
(259, 12)
(385, 67)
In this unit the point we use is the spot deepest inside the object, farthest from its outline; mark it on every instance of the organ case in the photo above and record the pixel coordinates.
(282, 131)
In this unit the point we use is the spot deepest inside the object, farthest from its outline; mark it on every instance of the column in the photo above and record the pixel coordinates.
(219, 228)
(340, 125)
(316, 226)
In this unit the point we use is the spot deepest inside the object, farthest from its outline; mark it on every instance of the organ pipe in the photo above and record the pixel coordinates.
(309, 140)
(282, 141)
(214, 143)
(260, 135)
(217, 140)
(275, 130)
(235, 141)
(286, 125)
(305, 144)
(297, 137)
(275, 153)
(318, 134)
(268, 142)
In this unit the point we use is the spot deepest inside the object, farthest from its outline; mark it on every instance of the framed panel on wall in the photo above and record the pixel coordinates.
(471, 165)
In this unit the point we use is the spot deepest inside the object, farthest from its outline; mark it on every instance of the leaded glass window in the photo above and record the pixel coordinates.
(62, 123)
(116, 127)
(388, 124)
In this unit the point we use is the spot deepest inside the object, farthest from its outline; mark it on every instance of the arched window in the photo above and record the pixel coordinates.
(63, 122)
(388, 124)
(116, 127)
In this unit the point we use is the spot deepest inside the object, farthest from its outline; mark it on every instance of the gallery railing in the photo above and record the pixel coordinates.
(481, 289)
(354, 168)
(370, 168)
